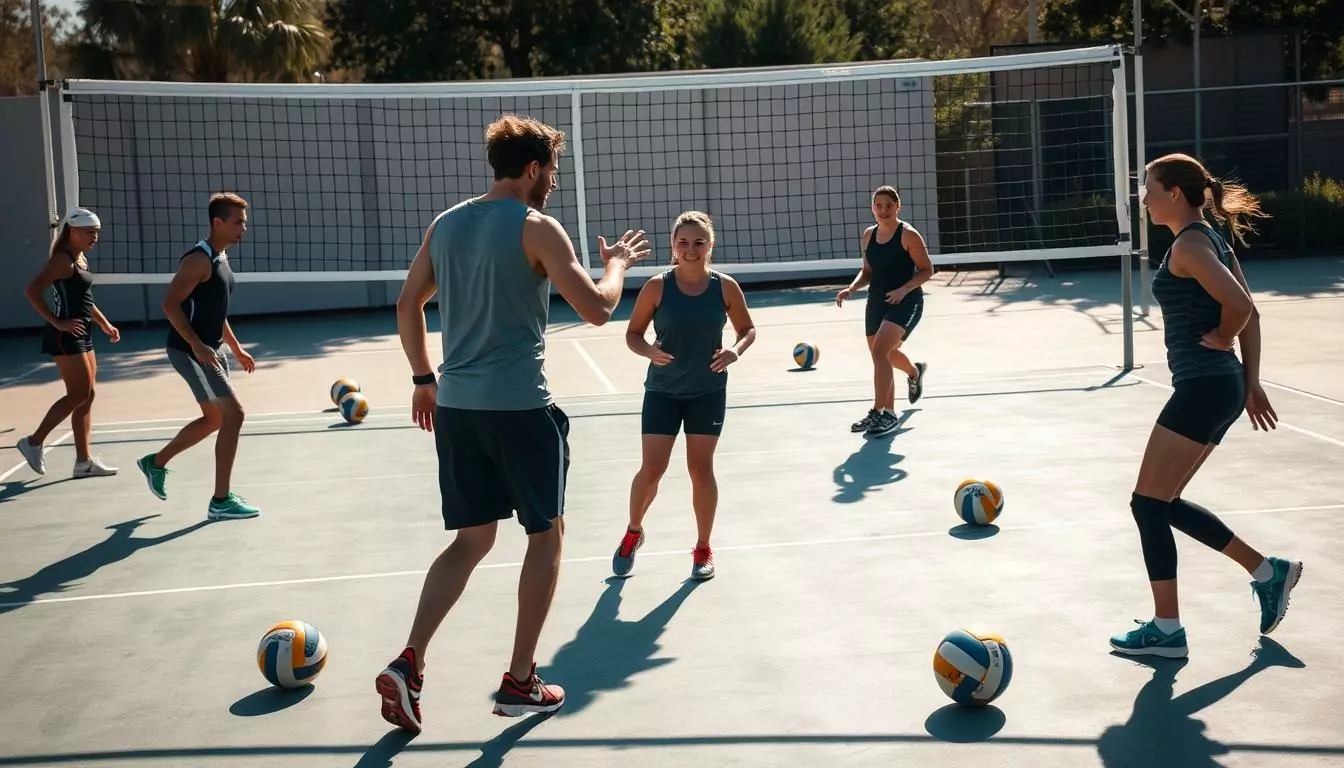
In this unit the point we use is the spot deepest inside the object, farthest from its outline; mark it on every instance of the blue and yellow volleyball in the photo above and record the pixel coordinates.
(978, 502)
(292, 654)
(806, 354)
(973, 668)
(341, 388)
(354, 407)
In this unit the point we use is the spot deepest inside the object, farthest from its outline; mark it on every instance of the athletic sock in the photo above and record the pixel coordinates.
(1263, 572)
(1166, 626)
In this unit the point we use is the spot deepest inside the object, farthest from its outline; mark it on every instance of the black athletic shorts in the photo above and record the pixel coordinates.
(493, 463)
(1205, 407)
(699, 415)
(56, 342)
(906, 314)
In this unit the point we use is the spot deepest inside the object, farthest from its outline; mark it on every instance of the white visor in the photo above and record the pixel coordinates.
(82, 217)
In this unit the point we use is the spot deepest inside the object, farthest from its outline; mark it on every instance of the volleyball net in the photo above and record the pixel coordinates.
(998, 159)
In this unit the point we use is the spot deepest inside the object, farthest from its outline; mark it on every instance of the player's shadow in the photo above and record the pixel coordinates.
(62, 574)
(11, 488)
(871, 466)
(607, 650)
(1163, 725)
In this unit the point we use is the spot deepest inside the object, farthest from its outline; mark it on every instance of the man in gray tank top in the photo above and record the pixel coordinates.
(502, 442)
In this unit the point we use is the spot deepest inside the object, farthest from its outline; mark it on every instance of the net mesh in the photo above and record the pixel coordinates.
(987, 163)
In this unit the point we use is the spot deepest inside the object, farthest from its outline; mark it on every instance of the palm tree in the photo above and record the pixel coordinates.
(202, 40)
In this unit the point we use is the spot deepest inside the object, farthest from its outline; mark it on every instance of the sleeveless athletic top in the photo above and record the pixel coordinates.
(690, 329)
(207, 307)
(73, 295)
(1188, 312)
(890, 265)
(493, 309)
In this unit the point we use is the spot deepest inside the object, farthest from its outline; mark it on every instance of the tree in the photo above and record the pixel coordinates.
(201, 40)
(18, 60)
(755, 33)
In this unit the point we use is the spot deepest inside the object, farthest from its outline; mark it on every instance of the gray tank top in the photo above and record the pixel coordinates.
(493, 309)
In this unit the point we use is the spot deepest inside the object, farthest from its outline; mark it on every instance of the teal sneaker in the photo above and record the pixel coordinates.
(1148, 640)
(1273, 594)
(157, 477)
(233, 507)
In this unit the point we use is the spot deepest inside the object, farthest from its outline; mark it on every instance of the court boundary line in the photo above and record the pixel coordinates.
(597, 369)
(46, 448)
(1303, 393)
(16, 378)
(1284, 424)
(681, 552)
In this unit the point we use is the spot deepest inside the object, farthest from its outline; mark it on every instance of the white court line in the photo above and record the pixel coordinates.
(45, 450)
(1283, 424)
(21, 376)
(606, 558)
(611, 387)
(1303, 393)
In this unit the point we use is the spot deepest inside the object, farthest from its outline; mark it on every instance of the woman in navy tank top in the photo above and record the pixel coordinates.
(1206, 306)
(67, 338)
(685, 389)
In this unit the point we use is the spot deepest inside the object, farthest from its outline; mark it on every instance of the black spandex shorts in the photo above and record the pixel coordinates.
(56, 343)
(1205, 407)
(700, 415)
(493, 463)
(906, 314)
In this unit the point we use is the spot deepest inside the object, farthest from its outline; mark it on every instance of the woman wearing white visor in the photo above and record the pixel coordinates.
(68, 339)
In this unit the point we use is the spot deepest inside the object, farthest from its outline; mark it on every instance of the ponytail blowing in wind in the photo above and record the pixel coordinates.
(1232, 204)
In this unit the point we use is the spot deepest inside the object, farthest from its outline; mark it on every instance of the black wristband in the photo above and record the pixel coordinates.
(427, 378)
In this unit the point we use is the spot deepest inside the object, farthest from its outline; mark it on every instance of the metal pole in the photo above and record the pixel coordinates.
(44, 107)
(1199, 102)
(1140, 158)
(1032, 23)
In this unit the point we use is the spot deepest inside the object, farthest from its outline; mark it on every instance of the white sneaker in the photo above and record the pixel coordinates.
(94, 467)
(33, 453)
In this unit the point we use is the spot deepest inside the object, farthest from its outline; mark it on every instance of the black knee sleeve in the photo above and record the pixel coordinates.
(1159, 545)
(1199, 524)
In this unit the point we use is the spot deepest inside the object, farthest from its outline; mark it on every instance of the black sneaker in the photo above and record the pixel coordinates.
(399, 687)
(916, 385)
(863, 425)
(885, 423)
(515, 699)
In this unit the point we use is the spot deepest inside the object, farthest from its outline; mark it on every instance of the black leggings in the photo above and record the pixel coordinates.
(1156, 518)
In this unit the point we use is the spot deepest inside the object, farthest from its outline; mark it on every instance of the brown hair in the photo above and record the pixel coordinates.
(698, 218)
(62, 242)
(223, 204)
(511, 142)
(889, 191)
(1229, 200)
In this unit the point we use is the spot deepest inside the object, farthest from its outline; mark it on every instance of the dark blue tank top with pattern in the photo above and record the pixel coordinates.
(1189, 312)
(690, 328)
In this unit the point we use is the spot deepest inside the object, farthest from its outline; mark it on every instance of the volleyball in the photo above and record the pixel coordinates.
(806, 354)
(292, 654)
(973, 668)
(341, 388)
(978, 502)
(354, 407)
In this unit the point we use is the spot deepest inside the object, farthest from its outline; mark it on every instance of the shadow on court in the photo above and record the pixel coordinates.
(13, 488)
(607, 650)
(1162, 725)
(62, 574)
(871, 466)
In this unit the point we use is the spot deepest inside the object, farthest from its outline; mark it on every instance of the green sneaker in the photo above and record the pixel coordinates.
(233, 507)
(1273, 594)
(155, 476)
(1148, 640)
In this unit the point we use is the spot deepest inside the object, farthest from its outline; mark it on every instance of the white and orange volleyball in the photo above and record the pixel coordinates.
(292, 654)
(972, 667)
(341, 388)
(354, 407)
(978, 502)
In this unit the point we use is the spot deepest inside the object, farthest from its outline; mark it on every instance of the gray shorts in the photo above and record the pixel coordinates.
(207, 383)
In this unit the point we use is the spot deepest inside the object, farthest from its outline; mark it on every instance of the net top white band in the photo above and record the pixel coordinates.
(606, 84)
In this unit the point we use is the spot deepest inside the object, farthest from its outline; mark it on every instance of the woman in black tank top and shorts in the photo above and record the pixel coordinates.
(1206, 306)
(68, 339)
(895, 267)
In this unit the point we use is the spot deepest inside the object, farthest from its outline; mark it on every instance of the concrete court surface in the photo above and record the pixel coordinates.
(128, 625)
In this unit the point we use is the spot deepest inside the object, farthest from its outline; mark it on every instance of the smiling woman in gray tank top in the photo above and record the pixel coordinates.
(1206, 306)
(686, 385)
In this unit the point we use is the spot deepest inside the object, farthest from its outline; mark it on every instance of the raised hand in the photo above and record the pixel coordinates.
(629, 248)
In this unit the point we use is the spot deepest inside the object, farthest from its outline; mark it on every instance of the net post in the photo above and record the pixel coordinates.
(69, 159)
(44, 108)
(1119, 106)
(1141, 176)
(580, 198)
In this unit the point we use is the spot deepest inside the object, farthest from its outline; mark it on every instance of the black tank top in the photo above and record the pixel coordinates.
(208, 305)
(73, 295)
(1189, 312)
(890, 265)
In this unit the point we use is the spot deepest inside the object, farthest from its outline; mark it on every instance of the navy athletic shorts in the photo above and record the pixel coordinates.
(1203, 408)
(699, 415)
(906, 314)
